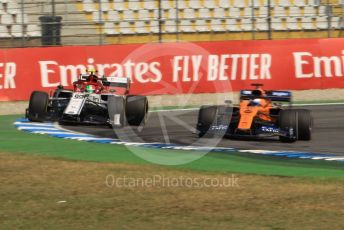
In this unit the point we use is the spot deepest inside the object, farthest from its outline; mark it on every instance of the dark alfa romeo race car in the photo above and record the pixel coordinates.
(259, 114)
(93, 100)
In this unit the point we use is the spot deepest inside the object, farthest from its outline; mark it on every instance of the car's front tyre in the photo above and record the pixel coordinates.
(206, 117)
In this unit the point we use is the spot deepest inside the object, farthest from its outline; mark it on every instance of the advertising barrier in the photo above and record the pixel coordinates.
(178, 68)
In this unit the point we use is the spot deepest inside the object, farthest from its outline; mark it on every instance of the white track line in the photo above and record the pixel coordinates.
(167, 110)
(320, 104)
(199, 148)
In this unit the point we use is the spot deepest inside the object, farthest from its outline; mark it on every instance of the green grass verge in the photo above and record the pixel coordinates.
(14, 141)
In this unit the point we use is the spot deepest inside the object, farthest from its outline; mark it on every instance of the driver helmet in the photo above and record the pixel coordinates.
(90, 88)
(256, 101)
(91, 71)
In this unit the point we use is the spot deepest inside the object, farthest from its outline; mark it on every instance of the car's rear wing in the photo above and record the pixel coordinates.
(123, 82)
(282, 96)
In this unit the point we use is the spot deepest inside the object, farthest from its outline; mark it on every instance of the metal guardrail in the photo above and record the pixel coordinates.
(64, 22)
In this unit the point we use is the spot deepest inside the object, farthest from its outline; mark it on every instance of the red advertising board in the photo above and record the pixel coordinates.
(177, 68)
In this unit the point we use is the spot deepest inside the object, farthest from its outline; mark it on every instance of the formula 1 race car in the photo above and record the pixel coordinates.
(259, 114)
(93, 100)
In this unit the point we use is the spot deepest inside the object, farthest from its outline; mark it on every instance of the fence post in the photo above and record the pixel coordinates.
(177, 21)
(23, 43)
(269, 20)
(252, 21)
(159, 20)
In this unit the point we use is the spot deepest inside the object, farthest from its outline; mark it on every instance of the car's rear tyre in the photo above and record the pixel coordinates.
(300, 120)
(136, 110)
(38, 106)
(305, 124)
(206, 117)
(116, 111)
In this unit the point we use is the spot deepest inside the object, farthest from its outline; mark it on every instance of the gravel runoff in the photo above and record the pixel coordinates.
(18, 107)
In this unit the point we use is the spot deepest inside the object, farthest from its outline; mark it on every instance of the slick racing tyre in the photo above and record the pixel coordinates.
(299, 120)
(206, 117)
(136, 110)
(287, 122)
(305, 124)
(38, 106)
(116, 111)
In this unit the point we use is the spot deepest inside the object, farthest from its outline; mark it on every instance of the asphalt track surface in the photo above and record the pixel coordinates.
(178, 127)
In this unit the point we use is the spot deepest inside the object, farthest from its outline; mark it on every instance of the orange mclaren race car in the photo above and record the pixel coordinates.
(259, 114)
